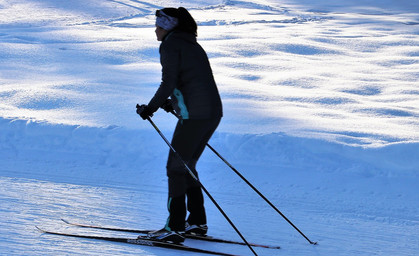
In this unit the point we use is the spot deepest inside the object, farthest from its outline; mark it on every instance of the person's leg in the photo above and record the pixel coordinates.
(186, 139)
(189, 141)
(176, 182)
(197, 215)
(177, 213)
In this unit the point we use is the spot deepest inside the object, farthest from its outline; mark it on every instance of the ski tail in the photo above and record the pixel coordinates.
(137, 231)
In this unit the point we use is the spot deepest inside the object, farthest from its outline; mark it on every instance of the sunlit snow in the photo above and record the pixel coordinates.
(321, 112)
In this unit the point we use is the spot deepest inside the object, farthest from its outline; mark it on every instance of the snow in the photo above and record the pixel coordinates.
(321, 115)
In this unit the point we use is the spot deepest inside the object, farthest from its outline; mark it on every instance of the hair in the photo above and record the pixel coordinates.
(186, 22)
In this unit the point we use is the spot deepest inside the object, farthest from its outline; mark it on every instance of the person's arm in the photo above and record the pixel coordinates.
(170, 61)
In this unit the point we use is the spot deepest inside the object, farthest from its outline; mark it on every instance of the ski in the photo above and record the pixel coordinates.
(139, 241)
(189, 236)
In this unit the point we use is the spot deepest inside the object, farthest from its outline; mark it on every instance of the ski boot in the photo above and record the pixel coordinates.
(198, 230)
(167, 236)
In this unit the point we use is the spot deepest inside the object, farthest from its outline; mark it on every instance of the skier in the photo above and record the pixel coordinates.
(188, 80)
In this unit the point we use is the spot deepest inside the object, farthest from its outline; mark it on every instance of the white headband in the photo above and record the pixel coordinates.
(165, 21)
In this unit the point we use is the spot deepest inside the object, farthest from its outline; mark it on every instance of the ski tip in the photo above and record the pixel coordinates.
(40, 229)
(65, 221)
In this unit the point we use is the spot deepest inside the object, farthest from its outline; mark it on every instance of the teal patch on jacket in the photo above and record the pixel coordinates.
(181, 104)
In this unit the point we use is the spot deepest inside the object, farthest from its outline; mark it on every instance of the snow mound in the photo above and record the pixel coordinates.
(122, 148)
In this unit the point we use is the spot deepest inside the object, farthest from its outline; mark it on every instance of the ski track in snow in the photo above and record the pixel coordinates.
(321, 114)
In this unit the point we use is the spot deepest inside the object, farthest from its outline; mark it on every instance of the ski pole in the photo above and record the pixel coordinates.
(202, 186)
(255, 189)
(260, 194)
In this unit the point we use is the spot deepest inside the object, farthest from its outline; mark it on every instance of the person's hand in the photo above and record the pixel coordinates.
(167, 106)
(144, 111)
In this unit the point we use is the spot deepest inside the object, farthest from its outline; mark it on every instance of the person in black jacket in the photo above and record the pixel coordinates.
(188, 80)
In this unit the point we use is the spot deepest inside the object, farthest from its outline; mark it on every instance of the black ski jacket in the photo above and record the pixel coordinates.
(187, 78)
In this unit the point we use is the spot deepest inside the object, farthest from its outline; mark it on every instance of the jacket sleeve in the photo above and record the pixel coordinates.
(170, 61)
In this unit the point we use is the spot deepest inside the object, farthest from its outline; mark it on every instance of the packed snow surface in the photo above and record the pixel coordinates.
(321, 114)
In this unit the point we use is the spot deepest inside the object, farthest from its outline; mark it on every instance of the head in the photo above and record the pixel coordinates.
(169, 19)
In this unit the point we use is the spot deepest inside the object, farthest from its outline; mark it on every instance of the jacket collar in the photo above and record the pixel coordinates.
(181, 35)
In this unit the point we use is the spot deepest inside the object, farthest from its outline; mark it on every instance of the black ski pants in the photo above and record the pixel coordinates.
(189, 140)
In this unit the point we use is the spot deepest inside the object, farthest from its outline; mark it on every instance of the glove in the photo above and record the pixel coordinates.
(144, 111)
(167, 106)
